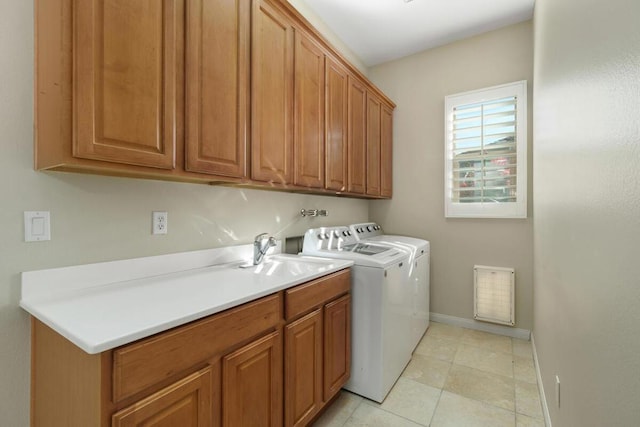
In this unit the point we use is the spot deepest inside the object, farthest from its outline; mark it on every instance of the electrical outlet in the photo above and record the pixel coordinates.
(159, 223)
(558, 391)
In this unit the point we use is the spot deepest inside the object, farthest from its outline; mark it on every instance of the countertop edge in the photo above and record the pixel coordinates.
(117, 341)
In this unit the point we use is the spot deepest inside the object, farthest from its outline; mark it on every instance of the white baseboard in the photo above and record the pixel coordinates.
(543, 399)
(523, 334)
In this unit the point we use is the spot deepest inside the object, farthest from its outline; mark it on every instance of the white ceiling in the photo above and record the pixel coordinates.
(382, 30)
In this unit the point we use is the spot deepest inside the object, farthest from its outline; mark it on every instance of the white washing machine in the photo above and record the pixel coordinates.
(418, 271)
(381, 307)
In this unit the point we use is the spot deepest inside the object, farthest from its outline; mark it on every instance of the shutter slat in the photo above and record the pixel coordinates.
(497, 136)
(484, 178)
(479, 158)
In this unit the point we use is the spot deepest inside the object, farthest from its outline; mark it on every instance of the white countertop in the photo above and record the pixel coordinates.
(102, 306)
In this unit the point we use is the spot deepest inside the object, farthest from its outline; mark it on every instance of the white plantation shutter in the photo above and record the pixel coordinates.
(485, 164)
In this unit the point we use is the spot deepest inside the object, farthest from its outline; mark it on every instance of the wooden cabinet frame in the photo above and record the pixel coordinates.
(178, 138)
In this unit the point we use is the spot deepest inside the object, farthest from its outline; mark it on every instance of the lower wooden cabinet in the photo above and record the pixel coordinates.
(303, 369)
(252, 384)
(185, 403)
(317, 349)
(274, 361)
(337, 345)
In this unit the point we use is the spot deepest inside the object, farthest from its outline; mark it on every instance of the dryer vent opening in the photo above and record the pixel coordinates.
(494, 294)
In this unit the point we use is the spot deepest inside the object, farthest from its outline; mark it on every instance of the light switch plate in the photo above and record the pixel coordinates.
(37, 226)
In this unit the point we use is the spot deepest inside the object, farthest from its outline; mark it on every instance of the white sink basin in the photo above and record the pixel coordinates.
(285, 267)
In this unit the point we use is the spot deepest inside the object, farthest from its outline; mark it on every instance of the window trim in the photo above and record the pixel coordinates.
(517, 209)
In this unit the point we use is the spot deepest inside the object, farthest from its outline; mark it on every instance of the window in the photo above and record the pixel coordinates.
(486, 153)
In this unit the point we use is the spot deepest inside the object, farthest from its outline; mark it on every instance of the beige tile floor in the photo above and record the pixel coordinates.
(456, 378)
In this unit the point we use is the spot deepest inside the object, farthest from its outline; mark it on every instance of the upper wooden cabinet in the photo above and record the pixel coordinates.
(217, 86)
(272, 95)
(357, 141)
(386, 151)
(336, 119)
(127, 74)
(374, 109)
(309, 145)
(234, 91)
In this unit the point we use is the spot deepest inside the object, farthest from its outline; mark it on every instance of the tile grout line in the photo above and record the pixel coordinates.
(435, 408)
(442, 390)
(459, 342)
(353, 411)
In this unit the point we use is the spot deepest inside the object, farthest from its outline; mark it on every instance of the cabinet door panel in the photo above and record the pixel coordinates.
(185, 403)
(309, 113)
(303, 369)
(127, 79)
(386, 151)
(373, 145)
(337, 86)
(252, 384)
(357, 137)
(217, 80)
(337, 345)
(272, 95)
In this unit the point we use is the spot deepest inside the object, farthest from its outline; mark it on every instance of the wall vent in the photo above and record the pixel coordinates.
(494, 294)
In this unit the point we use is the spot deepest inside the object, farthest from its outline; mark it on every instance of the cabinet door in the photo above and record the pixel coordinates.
(337, 345)
(252, 384)
(272, 95)
(357, 137)
(127, 78)
(386, 151)
(374, 107)
(309, 113)
(185, 403)
(303, 369)
(217, 86)
(337, 86)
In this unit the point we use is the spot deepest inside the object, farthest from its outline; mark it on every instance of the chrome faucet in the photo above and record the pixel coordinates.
(261, 245)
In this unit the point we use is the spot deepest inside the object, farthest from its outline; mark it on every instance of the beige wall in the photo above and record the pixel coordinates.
(587, 209)
(100, 218)
(418, 85)
(320, 25)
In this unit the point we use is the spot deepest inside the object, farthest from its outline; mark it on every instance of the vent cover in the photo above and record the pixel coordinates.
(494, 294)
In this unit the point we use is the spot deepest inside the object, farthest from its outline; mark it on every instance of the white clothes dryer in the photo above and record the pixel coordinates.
(419, 271)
